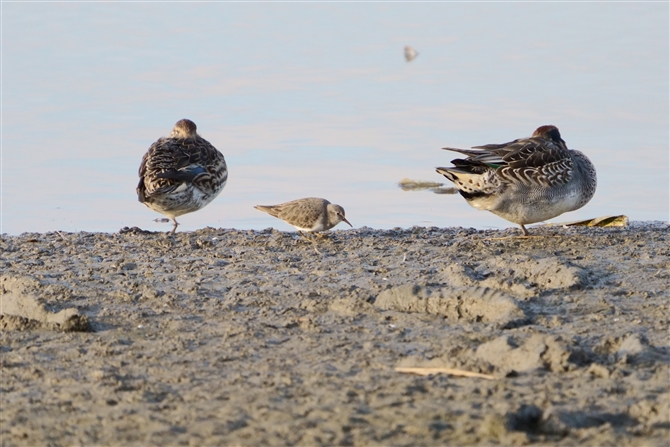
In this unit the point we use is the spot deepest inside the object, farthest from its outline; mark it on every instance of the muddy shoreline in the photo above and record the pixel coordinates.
(228, 337)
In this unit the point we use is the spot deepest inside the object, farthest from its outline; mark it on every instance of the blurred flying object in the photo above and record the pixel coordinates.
(420, 185)
(410, 53)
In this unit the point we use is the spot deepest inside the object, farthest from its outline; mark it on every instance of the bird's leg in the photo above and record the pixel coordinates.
(525, 235)
(307, 236)
(322, 235)
(176, 224)
(525, 232)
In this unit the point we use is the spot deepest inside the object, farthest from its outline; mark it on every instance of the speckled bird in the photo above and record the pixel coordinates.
(524, 181)
(181, 173)
(311, 214)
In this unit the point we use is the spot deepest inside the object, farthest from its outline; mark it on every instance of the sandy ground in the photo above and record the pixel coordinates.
(226, 337)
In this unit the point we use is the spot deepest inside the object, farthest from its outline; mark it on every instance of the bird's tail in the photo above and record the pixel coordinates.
(267, 209)
(466, 181)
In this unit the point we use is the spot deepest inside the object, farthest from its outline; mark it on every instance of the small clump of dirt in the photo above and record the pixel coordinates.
(469, 304)
(25, 307)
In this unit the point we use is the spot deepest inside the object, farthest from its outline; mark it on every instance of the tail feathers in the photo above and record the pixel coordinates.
(271, 210)
(470, 152)
(490, 155)
(449, 173)
(471, 183)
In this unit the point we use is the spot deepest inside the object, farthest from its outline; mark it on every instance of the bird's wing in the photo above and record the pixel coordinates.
(163, 155)
(536, 162)
(531, 161)
(302, 213)
(169, 162)
(207, 167)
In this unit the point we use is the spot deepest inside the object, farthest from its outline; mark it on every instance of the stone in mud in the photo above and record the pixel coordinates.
(20, 300)
(469, 304)
(527, 418)
(632, 345)
(537, 351)
(633, 348)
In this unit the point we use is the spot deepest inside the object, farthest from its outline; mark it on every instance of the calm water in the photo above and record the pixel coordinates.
(316, 99)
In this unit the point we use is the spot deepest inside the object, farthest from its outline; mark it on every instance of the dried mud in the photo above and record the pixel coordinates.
(226, 337)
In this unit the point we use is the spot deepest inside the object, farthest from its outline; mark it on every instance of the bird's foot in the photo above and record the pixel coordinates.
(176, 224)
(308, 236)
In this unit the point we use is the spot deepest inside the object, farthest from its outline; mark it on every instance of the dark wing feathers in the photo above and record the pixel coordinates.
(471, 165)
(171, 161)
(529, 160)
(537, 155)
(493, 148)
(469, 152)
(187, 174)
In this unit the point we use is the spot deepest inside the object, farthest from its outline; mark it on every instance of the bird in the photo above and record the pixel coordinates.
(181, 173)
(311, 215)
(525, 181)
(410, 53)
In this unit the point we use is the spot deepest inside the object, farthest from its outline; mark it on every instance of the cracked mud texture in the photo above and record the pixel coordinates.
(226, 337)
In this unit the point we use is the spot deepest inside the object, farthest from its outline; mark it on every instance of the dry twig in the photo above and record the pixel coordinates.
(454, 372)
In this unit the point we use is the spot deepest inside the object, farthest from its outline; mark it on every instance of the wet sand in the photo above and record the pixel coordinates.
(227, 337)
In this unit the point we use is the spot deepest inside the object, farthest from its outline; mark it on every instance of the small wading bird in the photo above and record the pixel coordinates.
(181, 173)
(311, 215)
(526, 180)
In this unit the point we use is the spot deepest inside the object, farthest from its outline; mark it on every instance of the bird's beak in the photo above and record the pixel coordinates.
(345, 220)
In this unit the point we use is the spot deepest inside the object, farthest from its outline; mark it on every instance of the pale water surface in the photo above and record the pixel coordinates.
(316, 99)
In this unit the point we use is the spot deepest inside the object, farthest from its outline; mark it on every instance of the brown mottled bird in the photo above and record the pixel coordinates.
(181, 173)
(526, 180)
(310, 215)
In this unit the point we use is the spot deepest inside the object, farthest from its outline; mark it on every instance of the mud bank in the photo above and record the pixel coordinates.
(226, 337)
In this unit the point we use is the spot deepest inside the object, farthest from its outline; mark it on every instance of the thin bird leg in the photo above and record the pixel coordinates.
(525, 232)
(527, 235)
(176, 224)
(314, 245)
(305, 235)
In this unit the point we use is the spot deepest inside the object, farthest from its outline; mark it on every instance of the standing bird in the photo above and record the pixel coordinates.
(311, 215)
(526, 180)
(181, 173)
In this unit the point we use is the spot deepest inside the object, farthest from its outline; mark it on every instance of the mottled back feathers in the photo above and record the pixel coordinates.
(309, 214)
(526, 180)
(181, 173)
